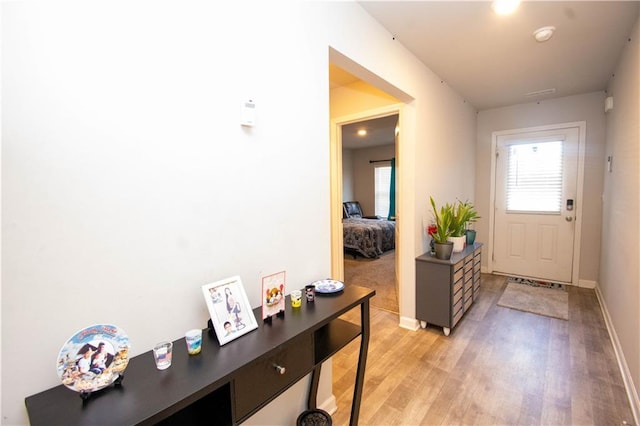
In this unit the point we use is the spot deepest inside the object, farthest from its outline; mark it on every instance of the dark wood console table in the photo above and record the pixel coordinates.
(223, 384)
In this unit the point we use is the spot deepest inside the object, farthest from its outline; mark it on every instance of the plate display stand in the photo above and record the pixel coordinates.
(85, 395)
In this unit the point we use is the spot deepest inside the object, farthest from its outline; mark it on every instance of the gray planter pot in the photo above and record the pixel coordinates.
(444, 250)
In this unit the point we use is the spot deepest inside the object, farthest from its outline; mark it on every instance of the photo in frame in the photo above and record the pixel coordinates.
(229, 308)
(273, 294)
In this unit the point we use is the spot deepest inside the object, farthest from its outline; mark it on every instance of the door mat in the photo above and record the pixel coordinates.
(536, 283)
(550, 302)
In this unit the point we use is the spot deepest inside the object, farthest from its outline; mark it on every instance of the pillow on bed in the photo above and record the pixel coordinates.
(351, 209)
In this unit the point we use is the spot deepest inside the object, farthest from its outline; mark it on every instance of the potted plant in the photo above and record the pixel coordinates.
(444, 219)
(463, 214)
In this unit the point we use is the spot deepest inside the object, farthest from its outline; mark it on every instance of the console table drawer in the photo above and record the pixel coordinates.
(257, 382)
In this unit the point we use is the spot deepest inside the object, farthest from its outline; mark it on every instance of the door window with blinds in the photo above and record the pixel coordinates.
(382, 185)
(534, 177)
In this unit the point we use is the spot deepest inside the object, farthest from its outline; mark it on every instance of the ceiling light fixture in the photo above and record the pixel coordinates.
(543, 34)
(504, 7)
(362, 132)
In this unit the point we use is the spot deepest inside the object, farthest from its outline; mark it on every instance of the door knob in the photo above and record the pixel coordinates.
(568, 218)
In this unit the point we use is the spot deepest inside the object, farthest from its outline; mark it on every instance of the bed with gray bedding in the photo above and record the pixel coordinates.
(369, 237)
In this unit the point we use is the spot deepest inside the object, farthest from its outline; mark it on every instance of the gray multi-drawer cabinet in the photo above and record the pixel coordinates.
(445, 289)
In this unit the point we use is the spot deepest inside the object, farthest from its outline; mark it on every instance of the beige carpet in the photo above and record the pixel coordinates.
(536, 300)
(378, 274)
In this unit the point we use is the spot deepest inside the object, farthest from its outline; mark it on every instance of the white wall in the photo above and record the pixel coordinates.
(127, 181)
(619, 283)
(588, 107)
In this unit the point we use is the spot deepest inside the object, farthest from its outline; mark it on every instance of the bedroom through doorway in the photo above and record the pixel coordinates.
(369, 219)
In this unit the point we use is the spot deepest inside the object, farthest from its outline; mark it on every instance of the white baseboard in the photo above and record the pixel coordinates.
(329, 405)
(409, 323)
(587, 284)
(632, 393)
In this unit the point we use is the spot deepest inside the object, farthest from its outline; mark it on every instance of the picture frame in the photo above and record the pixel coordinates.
(273, 291)
(229, 308)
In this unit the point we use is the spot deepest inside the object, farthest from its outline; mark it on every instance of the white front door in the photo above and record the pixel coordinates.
(535, 203)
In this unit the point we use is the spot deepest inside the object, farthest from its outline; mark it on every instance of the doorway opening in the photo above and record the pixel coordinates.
(353, 177)
(369, 219)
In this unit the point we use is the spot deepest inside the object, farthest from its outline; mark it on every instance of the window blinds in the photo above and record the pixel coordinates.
(534, 177)
(381, 185)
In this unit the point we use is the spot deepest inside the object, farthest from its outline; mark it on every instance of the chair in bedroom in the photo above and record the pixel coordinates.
(352, 209)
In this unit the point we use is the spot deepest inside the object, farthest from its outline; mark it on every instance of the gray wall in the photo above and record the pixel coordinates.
(347, 175)
(619, 282)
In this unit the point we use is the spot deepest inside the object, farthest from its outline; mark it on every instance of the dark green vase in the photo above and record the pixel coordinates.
(471, 236)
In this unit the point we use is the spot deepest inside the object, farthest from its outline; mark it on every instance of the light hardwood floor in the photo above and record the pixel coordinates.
(497, 367)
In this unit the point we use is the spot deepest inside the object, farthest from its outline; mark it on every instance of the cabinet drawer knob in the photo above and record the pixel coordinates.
(280, 369)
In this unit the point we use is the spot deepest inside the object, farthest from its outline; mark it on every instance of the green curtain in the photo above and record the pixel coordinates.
(392, 191)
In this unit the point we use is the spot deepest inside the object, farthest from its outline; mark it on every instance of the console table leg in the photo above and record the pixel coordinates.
(362, 363)
(313, 389)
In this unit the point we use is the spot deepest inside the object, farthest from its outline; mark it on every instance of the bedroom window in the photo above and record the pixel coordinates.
(382, 184)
